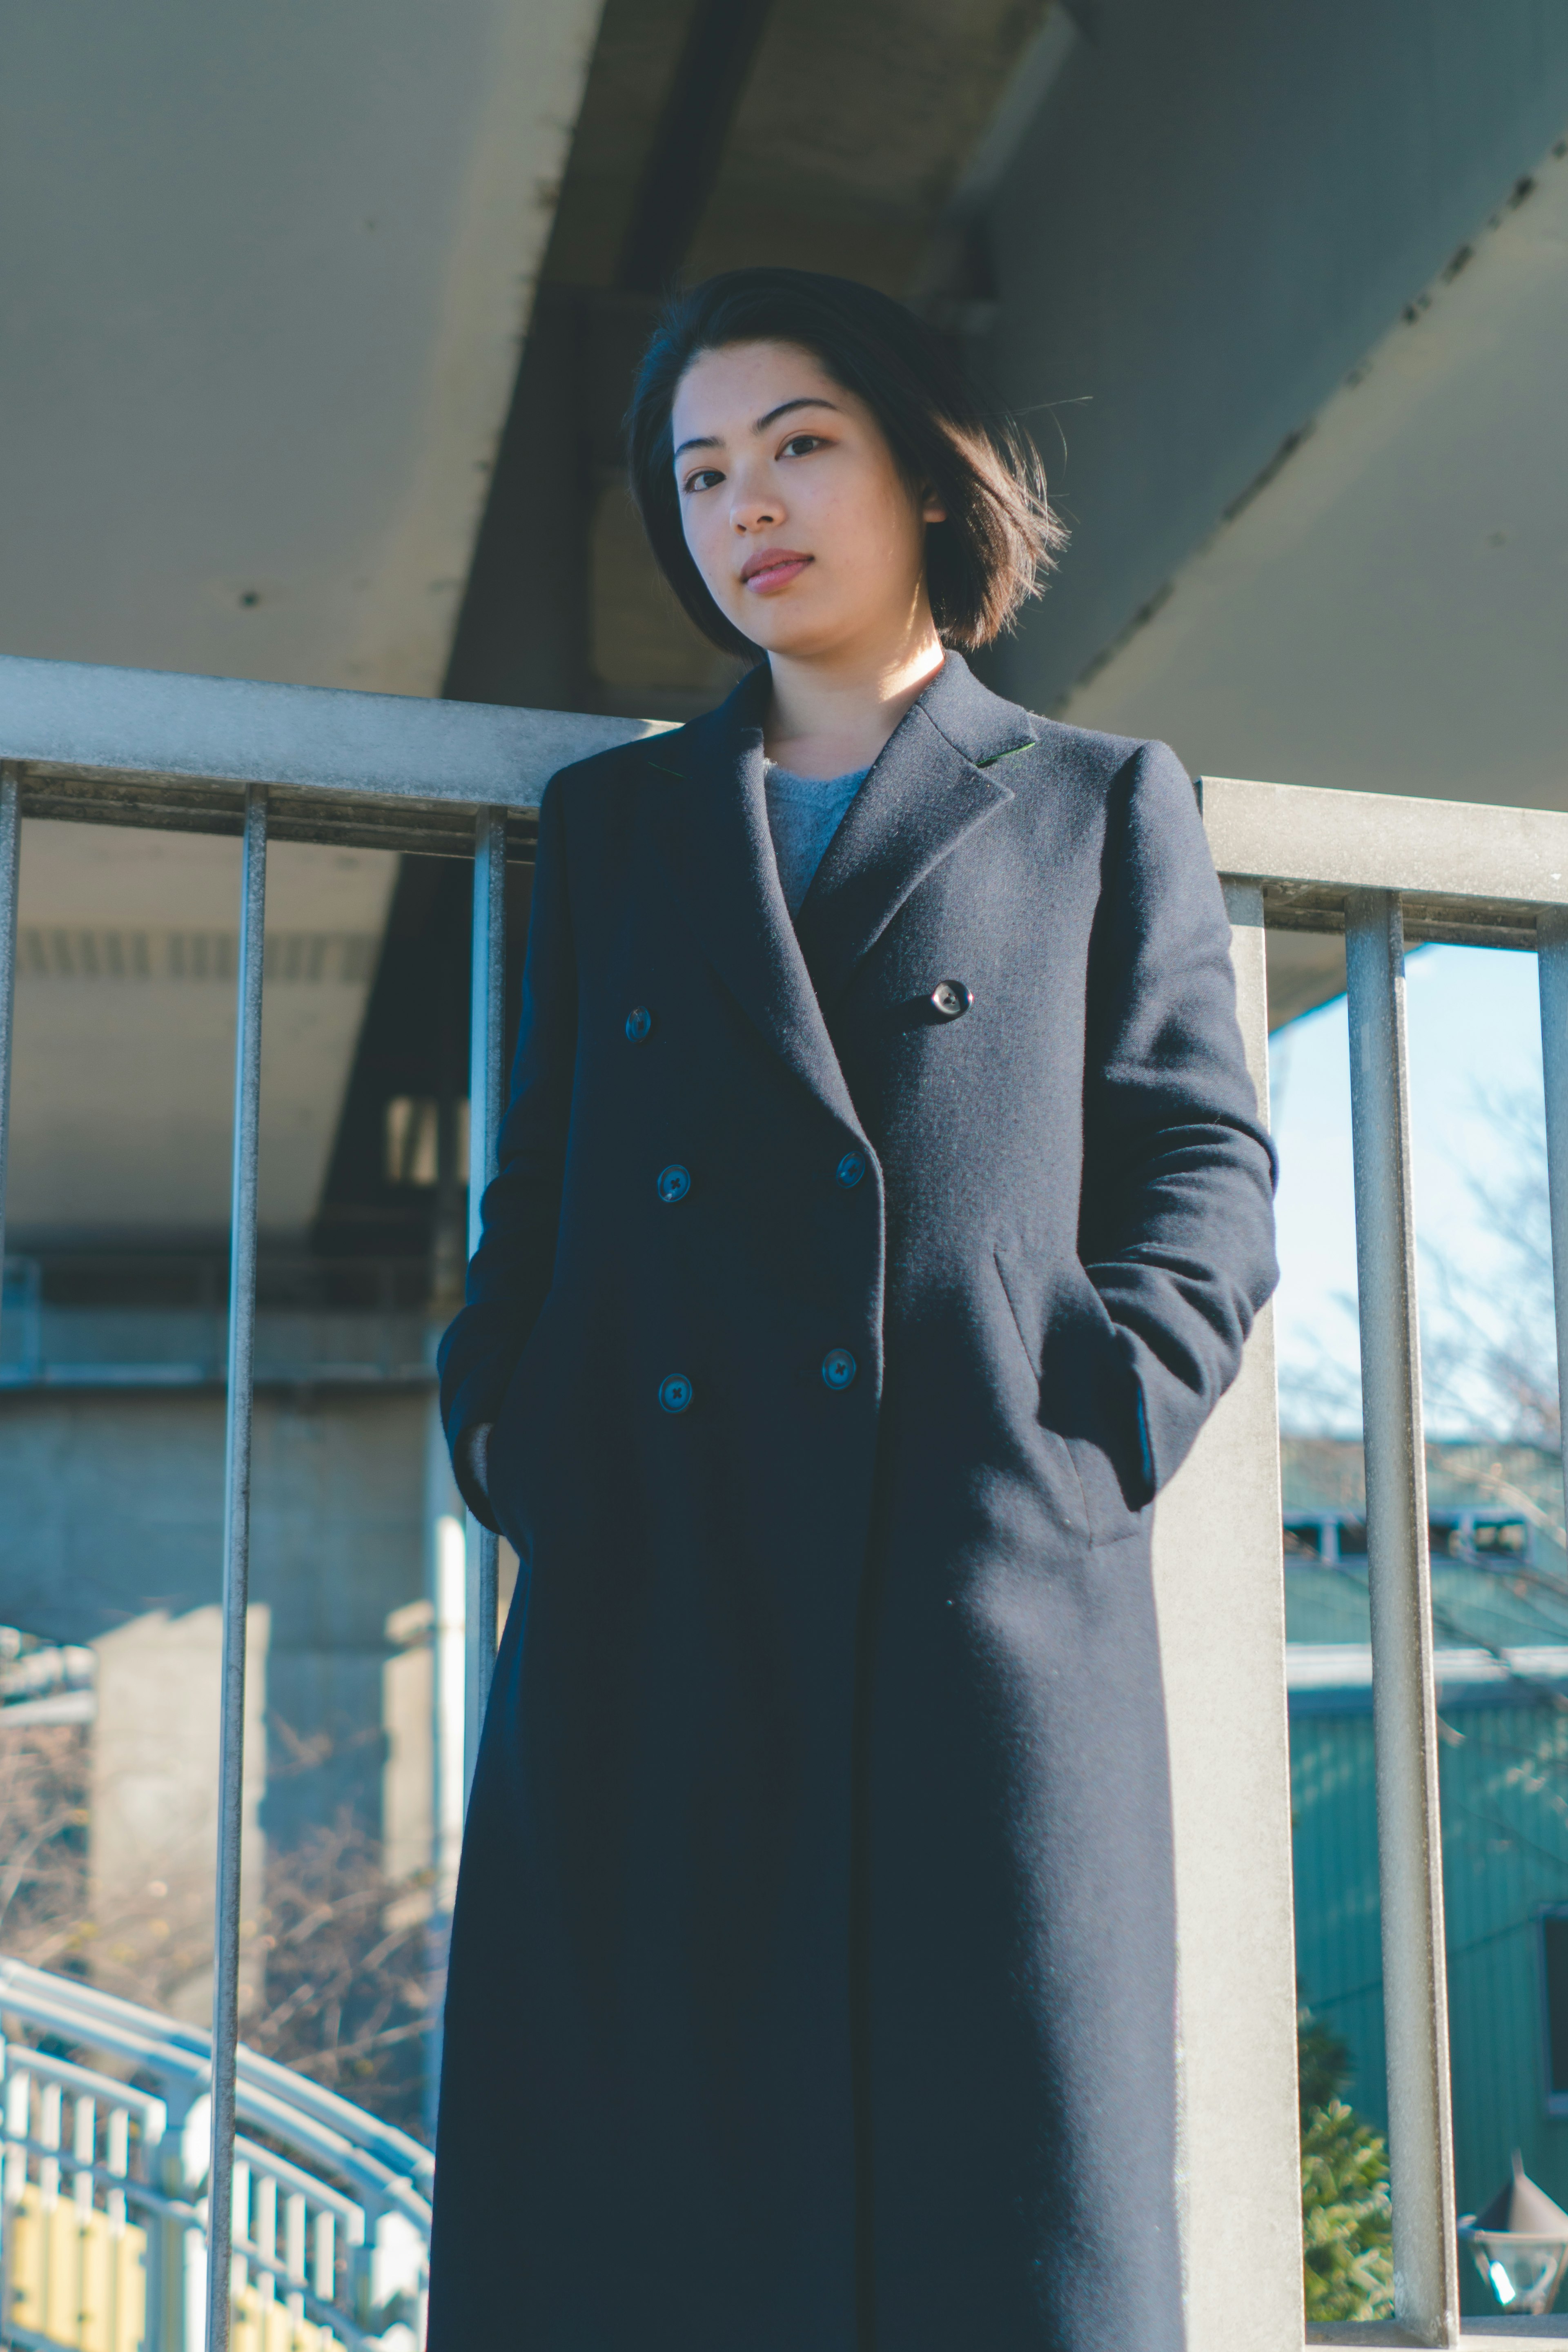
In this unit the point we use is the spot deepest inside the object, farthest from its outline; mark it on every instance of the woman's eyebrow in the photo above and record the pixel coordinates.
(807, 400)
(714, 441)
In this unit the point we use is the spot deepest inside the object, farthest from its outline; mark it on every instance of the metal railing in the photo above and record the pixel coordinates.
(105, 2214)
(1382, 871)
(270, 762)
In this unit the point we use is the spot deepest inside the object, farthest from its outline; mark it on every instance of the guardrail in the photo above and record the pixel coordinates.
(126, 747)
(295, 763)
(104, 2162)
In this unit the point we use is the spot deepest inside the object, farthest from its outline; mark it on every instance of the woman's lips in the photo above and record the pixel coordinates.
(776, 572)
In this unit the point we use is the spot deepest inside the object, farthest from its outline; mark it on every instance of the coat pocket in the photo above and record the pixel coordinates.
(1062, 1469)
(1088, 1399)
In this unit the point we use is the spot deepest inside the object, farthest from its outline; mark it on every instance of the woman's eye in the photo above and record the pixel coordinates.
(703, 479)
(801, 445)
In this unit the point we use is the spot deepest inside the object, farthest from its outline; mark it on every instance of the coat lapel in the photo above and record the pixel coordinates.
(929, 790)
(931, 786)
(712, 824)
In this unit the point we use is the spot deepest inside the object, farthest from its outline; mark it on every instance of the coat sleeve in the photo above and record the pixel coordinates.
(510, 1274)
(1177, 1229)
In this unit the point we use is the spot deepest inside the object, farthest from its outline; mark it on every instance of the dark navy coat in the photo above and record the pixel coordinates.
(812, 1973)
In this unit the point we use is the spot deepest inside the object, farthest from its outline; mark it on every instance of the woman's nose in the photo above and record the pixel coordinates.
(755, 510)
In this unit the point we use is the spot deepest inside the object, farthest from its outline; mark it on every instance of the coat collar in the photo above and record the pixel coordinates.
(927, 791)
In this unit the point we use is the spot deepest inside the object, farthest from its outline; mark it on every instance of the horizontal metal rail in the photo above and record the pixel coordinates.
(378, 770)
(1464, 872)
(379, 2161)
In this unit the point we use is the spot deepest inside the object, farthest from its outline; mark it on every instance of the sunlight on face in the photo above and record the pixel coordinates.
(807, 536)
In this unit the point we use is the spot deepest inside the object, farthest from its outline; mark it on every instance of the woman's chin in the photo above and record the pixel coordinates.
(794, 636)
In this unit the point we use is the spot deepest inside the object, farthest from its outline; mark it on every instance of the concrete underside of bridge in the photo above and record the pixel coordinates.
(1281, 295)
(315, 335)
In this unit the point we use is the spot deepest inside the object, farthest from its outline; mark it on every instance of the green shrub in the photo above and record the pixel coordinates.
(1348, 2248)
(1347, 2242)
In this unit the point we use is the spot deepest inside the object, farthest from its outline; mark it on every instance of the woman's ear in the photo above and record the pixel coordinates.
(932, 506)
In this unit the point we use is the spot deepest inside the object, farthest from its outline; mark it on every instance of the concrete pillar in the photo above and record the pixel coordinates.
(152, 1840)
(408, 1775)
(1219, 1582)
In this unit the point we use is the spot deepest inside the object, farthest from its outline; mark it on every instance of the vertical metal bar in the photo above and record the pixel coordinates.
(18, 2118)
(1552, 966)
(50, 2138)
(10, 865)
(1404, 1715)
(486, 1035)
(117, 2161)
(84, 2148)
(236, 1563)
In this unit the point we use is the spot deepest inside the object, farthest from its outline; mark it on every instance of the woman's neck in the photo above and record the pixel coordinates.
(827, 718)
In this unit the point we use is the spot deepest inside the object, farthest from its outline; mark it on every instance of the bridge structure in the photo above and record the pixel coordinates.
(310, 2217)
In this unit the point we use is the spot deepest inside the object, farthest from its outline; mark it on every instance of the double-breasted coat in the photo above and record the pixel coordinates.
(846, 1291)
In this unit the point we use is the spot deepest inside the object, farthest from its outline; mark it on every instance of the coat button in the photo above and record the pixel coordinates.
(839, 1368)
(851, 1167)
(639, 1020)
(674, 1183)
(675, 1393)
(951, 999)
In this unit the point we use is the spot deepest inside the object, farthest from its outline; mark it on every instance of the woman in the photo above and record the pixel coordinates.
(883, 1207)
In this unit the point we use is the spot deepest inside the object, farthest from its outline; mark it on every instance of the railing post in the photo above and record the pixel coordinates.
(1551, 969)
(486, 1035)
(10, 863)
(1217, 1558)
(236, 1563)
(1405, 1717)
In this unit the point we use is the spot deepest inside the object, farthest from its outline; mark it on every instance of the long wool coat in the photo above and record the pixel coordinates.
(812, 1973)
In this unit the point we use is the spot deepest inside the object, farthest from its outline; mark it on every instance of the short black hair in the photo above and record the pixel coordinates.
(1000, 535)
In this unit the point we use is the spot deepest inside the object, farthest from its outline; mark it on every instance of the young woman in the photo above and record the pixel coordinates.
(882, 1208)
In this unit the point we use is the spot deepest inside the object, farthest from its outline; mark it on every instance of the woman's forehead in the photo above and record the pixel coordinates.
(737, 387)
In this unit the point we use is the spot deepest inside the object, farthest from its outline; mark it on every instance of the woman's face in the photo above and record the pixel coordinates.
(803, 527)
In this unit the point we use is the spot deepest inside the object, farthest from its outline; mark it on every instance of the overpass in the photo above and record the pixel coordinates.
(317, 335)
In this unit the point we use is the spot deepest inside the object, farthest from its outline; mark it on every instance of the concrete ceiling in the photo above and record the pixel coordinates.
(261, 300)
(123, 1077)
(262, 288)
(855, 127)
(854, 120)
(1386, 613)
(266, 276)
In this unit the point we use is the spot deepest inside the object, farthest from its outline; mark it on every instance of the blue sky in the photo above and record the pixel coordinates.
(1475, 1045)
